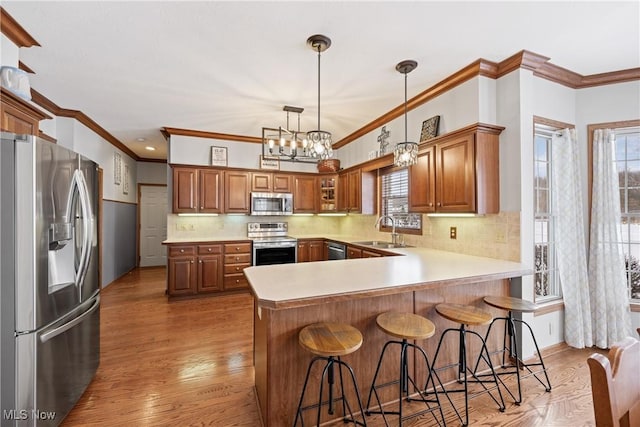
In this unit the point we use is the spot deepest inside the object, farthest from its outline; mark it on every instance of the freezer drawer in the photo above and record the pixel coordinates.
(55, 365)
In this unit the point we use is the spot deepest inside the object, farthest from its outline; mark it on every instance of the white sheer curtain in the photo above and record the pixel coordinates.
(610, 317)
(571, 249)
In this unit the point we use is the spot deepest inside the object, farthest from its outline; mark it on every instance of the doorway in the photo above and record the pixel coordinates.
(152, 224)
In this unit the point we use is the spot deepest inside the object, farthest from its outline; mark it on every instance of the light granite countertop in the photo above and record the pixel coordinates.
(296, 285)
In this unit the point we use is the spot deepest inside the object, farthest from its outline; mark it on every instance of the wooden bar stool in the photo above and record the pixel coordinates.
(406, 326)
(329, 341)
(466, 315)
(512, 304)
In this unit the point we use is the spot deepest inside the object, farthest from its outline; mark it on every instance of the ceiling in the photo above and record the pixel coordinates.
(230, 66)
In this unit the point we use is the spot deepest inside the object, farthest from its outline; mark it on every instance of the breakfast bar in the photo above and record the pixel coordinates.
(355, 291)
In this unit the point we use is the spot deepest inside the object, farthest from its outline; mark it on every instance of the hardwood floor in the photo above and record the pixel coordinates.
(189, 363)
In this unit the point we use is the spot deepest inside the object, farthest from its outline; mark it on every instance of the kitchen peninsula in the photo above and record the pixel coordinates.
(288, 297)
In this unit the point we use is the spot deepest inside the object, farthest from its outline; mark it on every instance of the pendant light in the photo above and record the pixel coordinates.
(319, 140)
(405, 153)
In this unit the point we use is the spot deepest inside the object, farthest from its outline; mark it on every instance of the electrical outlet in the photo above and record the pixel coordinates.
(453, 232)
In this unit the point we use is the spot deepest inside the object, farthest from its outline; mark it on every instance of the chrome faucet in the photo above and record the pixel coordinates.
(394, 235)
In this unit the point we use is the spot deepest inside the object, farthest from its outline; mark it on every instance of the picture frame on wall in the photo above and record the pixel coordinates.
(270, 163)
(430, 128)
(117, 168)
(218, 156)
(125, 180)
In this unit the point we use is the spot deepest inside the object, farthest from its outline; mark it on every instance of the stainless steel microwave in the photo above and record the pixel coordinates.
(271, 204)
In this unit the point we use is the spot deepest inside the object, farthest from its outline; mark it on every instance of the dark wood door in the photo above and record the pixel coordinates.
(211, 190)
(455, 172)
(316, 250)
(303, 251)
(185, 190)
(422, 183)
(182, 276)
(353, 252)
(305, 194)
(354, 191)
(237, 190)
(210, 273)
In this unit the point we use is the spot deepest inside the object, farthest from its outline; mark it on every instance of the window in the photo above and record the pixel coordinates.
(547, 282)
(394, 200)
(627, 149)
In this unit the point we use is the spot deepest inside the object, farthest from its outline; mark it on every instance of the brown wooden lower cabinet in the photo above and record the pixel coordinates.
(353, 252)
(195, 269)
(311, 250)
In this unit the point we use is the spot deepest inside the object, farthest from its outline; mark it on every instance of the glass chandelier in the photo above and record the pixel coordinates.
(286, 144)
(405, 153)
(319, 140)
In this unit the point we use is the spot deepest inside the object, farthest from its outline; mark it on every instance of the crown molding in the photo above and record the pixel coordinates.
(167, 132)
(24, 67)
(14, 31)
(50, 106)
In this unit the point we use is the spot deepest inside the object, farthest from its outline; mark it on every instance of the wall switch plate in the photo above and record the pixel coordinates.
(453, 232)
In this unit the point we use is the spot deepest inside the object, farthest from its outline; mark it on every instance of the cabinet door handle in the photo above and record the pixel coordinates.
(237, 249)
(191, 261)
(237, 281)
(209, 249)
(201, 207)
(237, 268)
(438, 204)
(181, 251)
(430, 204)
(237, 258)
(199, 261)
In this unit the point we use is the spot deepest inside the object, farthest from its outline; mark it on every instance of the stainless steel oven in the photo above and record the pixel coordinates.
(271, 245)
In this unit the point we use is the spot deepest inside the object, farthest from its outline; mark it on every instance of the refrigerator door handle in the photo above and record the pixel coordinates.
(87, 230)
(63, 328)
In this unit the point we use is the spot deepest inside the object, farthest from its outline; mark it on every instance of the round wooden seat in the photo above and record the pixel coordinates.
(406, 325)
(330, 339)
(510, 303)
(464, 314)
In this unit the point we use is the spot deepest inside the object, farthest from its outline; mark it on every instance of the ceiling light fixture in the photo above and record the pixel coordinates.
(405, 153)
(286, 144)
(320, 140)
(150, 148)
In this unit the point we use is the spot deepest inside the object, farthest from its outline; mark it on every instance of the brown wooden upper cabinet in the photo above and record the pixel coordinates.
(197, 190)
(328, 192)
(305, 194)
(357, 192)
(18, 116)
(458, 173)
(237, 187)
(266, 182)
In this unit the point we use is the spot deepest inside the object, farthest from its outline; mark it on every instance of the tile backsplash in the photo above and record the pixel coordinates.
(493, 236)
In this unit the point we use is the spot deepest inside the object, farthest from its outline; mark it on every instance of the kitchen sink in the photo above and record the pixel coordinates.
(380, 244)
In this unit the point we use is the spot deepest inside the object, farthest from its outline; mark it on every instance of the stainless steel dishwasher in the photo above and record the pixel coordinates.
(337, 251)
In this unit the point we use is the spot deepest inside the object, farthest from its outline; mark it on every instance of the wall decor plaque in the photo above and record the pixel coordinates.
(218, 156)
(430, 128)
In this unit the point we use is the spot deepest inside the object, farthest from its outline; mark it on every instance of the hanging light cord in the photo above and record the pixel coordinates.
(405, 107)
(319, 49)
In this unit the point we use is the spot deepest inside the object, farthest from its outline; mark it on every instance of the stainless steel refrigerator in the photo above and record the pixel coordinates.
(49, 295)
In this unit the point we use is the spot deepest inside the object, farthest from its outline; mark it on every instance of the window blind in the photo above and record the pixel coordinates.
(394, 199)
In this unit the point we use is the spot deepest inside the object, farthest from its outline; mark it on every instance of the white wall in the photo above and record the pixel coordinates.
(191, 150)
(9, 51)
(152, 173)
(457, 108)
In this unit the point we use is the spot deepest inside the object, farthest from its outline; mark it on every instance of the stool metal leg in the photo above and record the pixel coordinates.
(514, 353)
(403, 386)
(463, 372)
(328, 373)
